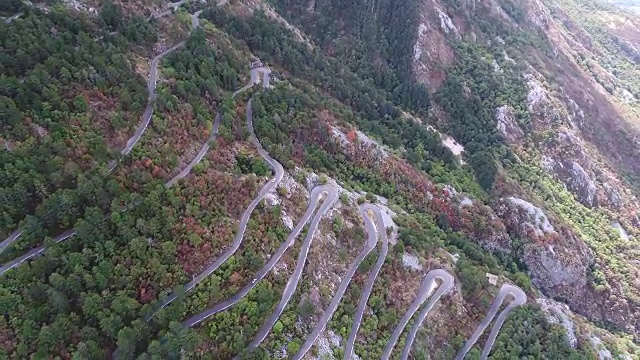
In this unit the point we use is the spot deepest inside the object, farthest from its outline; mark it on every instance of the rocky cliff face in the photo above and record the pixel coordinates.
(560, 264)
(583, 130)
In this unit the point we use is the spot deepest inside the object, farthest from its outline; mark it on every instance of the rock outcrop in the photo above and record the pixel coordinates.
(508, 124)
(561, 264)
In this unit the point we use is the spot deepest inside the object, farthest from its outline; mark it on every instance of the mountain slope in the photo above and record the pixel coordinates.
(557, 82)
(497, 139)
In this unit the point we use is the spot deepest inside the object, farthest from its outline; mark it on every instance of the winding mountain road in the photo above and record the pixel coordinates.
(151, 87)
(379, 230)
(518, 301)
(506, 290)
(311, 210)
(70, 233)
(292, 283)
(146, 119)
(445, 285)
(335, 301)
(427, 286)
(270, 185)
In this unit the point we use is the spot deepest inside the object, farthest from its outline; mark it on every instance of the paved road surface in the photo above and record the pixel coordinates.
(445, 285)
(425, 289)
(292, 283)
(311, 210)
(381, 231)
(335, 301)
(151, 86)
(270, 185)
(35, 252)
(8, 241)
(10, 19)
(519, 298)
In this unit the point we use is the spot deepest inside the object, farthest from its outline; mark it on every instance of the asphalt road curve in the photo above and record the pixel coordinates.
(519, 298)
(146, 118)
(151, 87)
(446, 283)
(270, 185)
(423, 293)
(212, 136)
(380, 231)
(335, 301)
(311, 210)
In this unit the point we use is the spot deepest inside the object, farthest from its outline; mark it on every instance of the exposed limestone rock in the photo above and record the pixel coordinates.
(291, 186)
(362, 140)
(623, 233)
(548, 164)
(507, 57)
(558, 266)
(456, 148)
(567, 159)
(8, 145)
(556, 313)
(273, 200)
(613, 196)
(446, 24)
(583, 185)
(560, 263)
(508, 125)
(538, 15)
(78, 6)
(417, 51)
(411, 261)
(432, 51)
(39, 130)
(627, 96)
(538, 221)
(325, 342)
(603, 352)
(537, 95)
(576, 115)
(573, 175)
(496, 66)
(466, 202)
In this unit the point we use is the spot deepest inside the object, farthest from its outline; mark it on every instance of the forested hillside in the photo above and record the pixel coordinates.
(159, 201)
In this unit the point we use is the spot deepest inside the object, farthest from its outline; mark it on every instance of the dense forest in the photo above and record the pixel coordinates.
(373, 38)
(57, 156)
